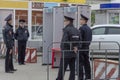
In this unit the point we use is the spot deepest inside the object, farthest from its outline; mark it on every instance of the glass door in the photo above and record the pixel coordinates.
(37, 26)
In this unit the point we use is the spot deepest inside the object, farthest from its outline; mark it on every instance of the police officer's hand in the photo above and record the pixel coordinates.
(11, 51)
(75, 49)
(25, 31)
(10, 33)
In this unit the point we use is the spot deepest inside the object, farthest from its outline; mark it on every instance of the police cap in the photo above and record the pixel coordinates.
(9, 17)
(68, 17)
(21, 20)
(84, 17)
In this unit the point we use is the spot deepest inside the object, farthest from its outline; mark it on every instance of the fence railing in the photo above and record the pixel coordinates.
(104, 68)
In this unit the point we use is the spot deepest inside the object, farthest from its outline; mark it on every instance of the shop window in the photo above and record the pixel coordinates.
(21, 14)
(113, 18)
(37, 27)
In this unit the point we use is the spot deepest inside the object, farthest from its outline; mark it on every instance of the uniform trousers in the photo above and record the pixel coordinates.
(84, 64)
(8, 61)
(21, 52)
(64, 62)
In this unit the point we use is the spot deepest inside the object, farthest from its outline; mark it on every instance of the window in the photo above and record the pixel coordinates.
(37, 27)
(114, 30)
(113, 18)
(21, 14)
(98, 31)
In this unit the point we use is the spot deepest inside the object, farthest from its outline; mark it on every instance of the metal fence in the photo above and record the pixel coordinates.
(105, 67)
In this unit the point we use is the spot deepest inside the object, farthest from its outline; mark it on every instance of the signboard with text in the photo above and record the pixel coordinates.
(67, 1)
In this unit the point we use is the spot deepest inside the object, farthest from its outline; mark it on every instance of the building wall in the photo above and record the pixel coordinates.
(97, 1)
(115, 1)
(100, 18)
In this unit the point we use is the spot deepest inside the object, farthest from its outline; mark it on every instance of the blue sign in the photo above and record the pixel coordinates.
(70, 9)
(48, 10)
(50, 5)
(110, 6)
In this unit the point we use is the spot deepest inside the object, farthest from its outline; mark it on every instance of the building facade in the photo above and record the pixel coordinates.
(106, 13)
(32, 12)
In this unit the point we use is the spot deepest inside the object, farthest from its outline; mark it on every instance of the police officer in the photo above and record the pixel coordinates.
(86, 34)
(68, 57)
(22, 36)
(8, 37)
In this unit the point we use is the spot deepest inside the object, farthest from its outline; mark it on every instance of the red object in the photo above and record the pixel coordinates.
(30, 56)
(27, 55)
(100, 68)
(33, 53)
(118, 78)
(54, 52)
(2, 48)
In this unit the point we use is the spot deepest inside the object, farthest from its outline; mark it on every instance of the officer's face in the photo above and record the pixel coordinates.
(82, 21)
(10, 21)
(66, 22)
(22, 24)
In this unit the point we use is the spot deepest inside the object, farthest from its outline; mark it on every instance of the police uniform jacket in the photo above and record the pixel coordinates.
(8, 35)
(22, 34)
(86, 34)
(65, 45)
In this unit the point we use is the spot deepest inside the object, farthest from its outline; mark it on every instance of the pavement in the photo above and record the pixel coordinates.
(30, 71)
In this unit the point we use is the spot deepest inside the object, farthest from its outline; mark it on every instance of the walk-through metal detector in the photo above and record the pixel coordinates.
(72, 11)
(53, 23)
(66, 11)
(52, 30)
(47, 32)
(58, 24)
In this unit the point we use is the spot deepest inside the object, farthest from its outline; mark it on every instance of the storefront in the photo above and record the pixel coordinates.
(108, 13)
(32, 12)
(20, 11)
(29, 11)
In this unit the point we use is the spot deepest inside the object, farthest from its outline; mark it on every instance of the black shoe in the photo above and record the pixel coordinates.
(14, 70)
(9, 72)
(23, 63)
(88, 79)
(20, 63)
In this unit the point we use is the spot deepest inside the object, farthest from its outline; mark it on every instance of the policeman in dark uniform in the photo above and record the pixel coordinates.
(86, 34)
(22, 36)
(68, 57)
(8, 37)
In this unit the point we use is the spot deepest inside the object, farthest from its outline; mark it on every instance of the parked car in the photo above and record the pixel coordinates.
(109, 37)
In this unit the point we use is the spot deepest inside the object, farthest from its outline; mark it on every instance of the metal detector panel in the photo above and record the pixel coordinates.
(85, 10)
(47, 34)
(71, 11)
(58, 24)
